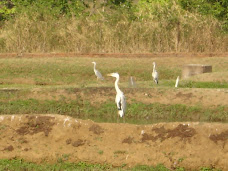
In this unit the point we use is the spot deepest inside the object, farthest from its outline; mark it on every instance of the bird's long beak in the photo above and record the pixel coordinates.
(109, 75)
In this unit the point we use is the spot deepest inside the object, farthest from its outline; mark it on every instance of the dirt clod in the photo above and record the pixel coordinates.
(68, 141)
(147, 137)
(35, 125)
(9, 148)
(182, 131)
(128, 140)
(96, 129)
(26, 149)
(223, 136)
(187, 95)
(77, 143)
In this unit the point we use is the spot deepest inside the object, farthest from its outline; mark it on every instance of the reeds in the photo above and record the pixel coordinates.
(157, 28)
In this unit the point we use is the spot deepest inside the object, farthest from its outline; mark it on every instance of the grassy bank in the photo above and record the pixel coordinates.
(106, 112)
(20, 165)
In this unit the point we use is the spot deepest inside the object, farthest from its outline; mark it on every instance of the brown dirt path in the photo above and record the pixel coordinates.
(50, 138)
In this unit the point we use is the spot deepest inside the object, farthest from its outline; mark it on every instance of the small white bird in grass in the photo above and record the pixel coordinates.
(120, 98)
(155, 73)
(97, 73)
(132, 82)
(177, 81)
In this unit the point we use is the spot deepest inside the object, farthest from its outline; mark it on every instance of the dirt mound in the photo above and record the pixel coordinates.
(51, 138)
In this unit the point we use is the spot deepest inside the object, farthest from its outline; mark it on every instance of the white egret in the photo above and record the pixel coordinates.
(155, 73)
(97, 73)
(132, 82)
(177, 81)
(120, 98)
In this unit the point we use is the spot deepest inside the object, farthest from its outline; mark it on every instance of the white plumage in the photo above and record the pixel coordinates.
(155, 73)
(132, 82)
(97, 73)
(120, 98)
(177, 81)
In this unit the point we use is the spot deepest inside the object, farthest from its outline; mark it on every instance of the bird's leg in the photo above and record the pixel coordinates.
(118, 116)
(97, 81)
(123, 119)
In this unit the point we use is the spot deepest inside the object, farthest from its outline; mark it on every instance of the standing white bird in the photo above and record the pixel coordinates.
(155, 73)
(97, 73)
(177, 81)
(132, 82)
(120, 98)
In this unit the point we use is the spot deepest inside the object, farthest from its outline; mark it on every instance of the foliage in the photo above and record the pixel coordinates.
(54, 7)
(6, 9)
(112, 26)
(218, 9)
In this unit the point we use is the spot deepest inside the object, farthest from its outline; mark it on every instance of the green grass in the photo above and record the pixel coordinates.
(106, 112)
(20, 165)
(194, 84)
(78, 72)
(19, 78)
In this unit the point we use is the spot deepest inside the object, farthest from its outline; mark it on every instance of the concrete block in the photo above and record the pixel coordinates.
(195, 69)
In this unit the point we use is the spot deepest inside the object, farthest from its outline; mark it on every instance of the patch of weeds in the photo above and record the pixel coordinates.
(168, 83)
(181, 159)
(63, 158)
(2, 127)
(100, 152)
(123, 165)
(194, 84)
(115, 156)
(159, 167)
(22, 140)
(98, 138)
(175, 162)
(120, 152)
(59, 160)
(208, 169)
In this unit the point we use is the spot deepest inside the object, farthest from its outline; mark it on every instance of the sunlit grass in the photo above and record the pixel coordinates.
(78, 72)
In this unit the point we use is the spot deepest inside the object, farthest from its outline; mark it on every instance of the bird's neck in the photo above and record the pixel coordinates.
(116, 85)
(94, 67)
(154, 68)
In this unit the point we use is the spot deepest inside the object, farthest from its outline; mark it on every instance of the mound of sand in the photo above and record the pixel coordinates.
(50, 138)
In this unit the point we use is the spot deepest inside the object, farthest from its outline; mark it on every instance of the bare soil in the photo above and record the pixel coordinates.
(50, 138)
